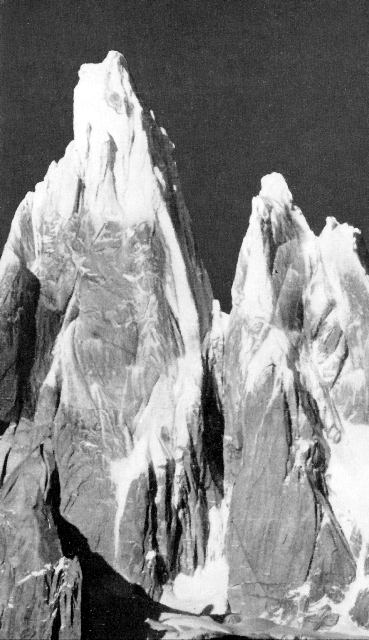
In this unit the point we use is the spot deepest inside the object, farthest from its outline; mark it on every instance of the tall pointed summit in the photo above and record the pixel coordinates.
(296, 428)
(156, 454)
(104, 305)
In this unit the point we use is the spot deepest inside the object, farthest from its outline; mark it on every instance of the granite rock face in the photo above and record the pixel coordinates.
(40, 588)
(153, 448)
(296, 440)
(104, 306)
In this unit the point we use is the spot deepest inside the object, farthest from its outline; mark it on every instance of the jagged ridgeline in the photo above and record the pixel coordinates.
(157, 455)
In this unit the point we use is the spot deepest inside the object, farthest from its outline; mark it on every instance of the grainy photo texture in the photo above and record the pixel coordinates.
(184, 319)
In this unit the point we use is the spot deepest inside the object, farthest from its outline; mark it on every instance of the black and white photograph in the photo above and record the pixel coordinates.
(184, 319)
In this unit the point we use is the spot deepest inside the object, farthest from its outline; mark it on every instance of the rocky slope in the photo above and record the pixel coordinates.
(156, 455)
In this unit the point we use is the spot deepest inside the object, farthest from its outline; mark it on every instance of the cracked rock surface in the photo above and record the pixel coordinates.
(167, 470)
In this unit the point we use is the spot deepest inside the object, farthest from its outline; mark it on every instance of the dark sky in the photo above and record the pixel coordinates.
(243, 87)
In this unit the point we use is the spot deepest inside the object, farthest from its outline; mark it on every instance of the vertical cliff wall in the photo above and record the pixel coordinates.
(104, 306)
(296, 431)
(153, 448)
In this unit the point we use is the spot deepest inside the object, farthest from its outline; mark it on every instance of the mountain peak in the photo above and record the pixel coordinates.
(151, 438)
(103, 305)
(274, 187)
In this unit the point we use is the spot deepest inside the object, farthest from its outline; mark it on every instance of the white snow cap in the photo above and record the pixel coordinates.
(274, 187)
(104, 101)
(112, 145)
(331, 223)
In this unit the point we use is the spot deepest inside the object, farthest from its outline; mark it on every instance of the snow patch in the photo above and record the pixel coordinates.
(123, 472)
(208, 585)
(36, 574)
(348, 479)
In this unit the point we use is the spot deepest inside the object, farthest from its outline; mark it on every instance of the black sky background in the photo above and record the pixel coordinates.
(243, 87)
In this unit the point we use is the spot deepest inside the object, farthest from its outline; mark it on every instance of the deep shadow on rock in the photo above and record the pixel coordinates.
(213, 429)
(112, 607)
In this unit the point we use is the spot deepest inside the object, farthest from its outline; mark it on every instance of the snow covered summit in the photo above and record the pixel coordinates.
(155, 451)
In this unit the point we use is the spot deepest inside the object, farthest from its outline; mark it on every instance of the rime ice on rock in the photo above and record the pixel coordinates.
(296, 418)
(149, 439)
(101, 286)
(275, 188)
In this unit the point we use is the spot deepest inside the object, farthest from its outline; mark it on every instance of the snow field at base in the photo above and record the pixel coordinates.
(110, 153)
(207, 587)
(328, 259)
(348, 482)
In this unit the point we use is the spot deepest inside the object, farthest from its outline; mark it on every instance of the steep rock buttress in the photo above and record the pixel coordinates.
(296, 440)
(104, 306)
(153, 448)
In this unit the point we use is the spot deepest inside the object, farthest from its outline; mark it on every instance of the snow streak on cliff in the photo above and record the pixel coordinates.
(155, 449)
(104, 305)
(296, 418)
